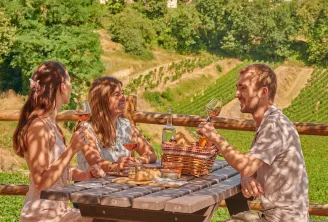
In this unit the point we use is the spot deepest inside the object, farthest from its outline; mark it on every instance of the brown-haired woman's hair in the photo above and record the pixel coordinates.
(46, 80)
(266, 77)
(99, 93)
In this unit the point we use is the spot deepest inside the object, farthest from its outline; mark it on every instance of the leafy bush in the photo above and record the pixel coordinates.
(218, 68)
(167, 94)
(153, 97)
(134, 44)
(134, 36)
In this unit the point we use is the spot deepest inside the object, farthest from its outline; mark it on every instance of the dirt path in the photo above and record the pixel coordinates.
(290, 82)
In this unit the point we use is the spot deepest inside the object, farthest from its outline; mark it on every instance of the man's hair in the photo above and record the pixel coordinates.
(266, 77)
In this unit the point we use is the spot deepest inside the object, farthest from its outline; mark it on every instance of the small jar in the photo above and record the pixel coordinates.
(170, 173)
(173, 166)
(133, 169)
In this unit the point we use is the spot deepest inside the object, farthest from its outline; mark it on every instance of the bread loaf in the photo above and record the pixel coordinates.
(147, 174)
(181, 139)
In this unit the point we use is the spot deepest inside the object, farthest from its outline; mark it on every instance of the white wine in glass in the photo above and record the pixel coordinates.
(83, 111)
(213, 108)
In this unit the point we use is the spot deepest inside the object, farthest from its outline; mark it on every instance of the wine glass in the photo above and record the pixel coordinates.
(133, 143)
(213, 108)
(83, 111)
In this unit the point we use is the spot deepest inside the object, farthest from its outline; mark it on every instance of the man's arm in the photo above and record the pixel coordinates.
(245, 164)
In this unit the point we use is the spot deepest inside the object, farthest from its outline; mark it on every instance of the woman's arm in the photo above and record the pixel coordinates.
(144, 149)
(92, 156)
(40, 140)
(79, 175)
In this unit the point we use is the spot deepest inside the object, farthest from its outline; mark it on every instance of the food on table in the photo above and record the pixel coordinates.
(147, 174)
(181, 139)
(174, 166)
(134, 168)
(170, 174)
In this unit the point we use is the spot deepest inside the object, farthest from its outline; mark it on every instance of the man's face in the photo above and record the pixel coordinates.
(247, 92)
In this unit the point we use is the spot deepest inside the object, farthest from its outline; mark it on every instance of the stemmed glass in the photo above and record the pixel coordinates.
(133, 143)
(213, 108)
(83, 111)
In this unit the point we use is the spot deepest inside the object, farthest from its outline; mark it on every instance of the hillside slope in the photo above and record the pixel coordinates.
(290, 80)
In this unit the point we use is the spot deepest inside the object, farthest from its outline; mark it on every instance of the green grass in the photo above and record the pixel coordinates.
(11, 206)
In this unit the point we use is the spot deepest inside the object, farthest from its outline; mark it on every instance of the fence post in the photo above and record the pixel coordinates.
(130, 108)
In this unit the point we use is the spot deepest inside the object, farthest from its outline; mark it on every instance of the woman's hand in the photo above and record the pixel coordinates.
(97, 172)
(122, 163)
(94, 171)
(79, 139)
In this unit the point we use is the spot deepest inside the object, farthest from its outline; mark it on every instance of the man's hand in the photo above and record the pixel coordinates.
(250, 187)
(207, 129)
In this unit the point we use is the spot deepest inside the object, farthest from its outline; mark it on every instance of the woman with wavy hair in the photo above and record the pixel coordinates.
(110, 130)
(41, 142)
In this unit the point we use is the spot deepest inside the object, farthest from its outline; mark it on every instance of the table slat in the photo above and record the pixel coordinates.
(124, 198)
(206, 197)
(156, 201)
(93, 196)
(60, 193)
(64, 193)
(219, 164)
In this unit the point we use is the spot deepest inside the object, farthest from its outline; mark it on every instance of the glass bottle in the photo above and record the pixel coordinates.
(168, 132)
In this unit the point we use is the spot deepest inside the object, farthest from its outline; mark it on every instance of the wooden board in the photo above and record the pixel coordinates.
(156, 201)
(206, 197)
(119, 214)
(219, 164)
(64, 193)
(92, 196)
(124, 198)
(60, 193)
(126, 180)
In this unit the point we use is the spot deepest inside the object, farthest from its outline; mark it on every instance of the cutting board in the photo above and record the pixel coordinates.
(126, 180)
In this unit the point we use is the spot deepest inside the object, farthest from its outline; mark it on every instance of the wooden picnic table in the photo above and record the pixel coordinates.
(197, 200)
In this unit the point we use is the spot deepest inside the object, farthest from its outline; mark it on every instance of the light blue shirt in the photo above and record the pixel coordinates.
(113, 153)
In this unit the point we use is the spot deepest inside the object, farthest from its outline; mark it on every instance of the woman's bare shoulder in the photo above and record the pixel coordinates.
(38, 126)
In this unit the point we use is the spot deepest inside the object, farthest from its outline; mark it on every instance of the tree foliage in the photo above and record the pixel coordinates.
(53, 30)
(6, 33)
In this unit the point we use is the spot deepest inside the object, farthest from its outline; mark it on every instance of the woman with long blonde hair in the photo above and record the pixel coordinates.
(110, 130)
(41, 142)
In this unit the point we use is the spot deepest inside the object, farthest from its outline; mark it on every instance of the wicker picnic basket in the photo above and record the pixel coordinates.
(196, 160)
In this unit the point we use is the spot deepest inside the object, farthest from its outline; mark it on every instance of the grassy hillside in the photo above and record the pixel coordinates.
(312, 103)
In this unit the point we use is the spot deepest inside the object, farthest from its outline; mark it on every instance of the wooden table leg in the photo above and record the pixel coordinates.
(210, 211)
(236, 204)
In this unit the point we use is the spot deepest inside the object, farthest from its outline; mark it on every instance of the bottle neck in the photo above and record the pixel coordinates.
(169, 120)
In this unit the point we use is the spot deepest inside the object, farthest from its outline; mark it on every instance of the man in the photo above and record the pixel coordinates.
(274, 168)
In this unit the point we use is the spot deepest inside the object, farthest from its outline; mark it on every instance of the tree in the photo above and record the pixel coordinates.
(53, 30)
(136, 36)
(7, 32)
(318, 38)
(183, 25)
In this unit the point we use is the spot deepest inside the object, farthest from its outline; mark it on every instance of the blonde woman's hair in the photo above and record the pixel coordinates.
(99, 93)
